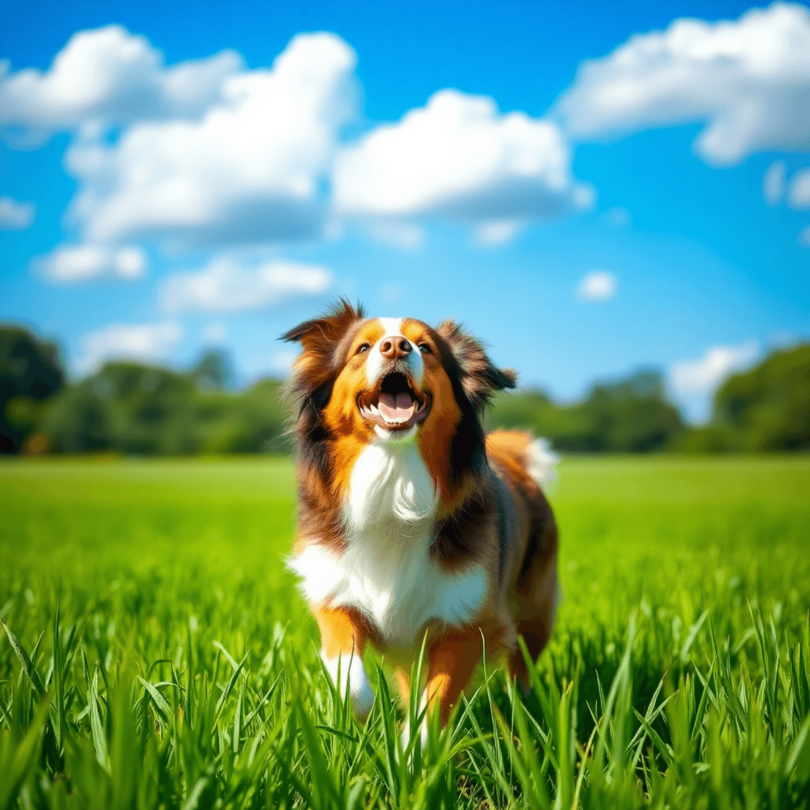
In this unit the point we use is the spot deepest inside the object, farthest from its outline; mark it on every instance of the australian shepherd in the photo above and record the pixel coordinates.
(415, 530)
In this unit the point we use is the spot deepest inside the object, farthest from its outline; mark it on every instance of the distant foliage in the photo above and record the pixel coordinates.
(213, 371)
(29, 374)
(632, 416)
(142, 410)
(768, 408)
(146, 410)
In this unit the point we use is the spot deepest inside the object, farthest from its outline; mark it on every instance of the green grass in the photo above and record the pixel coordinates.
(158, 654)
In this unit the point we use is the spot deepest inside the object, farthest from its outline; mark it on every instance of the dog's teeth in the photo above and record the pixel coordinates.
(374, 410)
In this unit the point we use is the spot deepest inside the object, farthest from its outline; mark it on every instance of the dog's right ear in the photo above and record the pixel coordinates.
(320, 339)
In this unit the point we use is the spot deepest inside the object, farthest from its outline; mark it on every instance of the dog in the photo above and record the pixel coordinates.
(415, 530)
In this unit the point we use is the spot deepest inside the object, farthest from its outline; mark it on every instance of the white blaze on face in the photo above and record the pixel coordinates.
(392, 327)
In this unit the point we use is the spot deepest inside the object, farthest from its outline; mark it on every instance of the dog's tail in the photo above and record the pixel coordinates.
(541, 463)
(534, 455)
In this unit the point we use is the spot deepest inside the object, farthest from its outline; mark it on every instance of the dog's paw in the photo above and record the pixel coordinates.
(347, 668)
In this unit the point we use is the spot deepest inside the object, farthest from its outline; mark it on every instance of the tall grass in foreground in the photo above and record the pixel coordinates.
(137, 673)
(82, 730)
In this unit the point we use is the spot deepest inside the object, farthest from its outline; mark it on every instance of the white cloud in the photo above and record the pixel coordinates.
(15, 215)
(706, 373)
(74, 263)
(799, 192)
(804, 237)
(773, 182)
(598, 285)
(249, 170)
(458, 158)
(144, 342)
(108, 77)
(692, 382)
(225, 285)
(747, 81)
(208, 154)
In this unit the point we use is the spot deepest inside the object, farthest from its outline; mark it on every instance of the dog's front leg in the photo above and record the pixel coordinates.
(452, 661)
(343, 639)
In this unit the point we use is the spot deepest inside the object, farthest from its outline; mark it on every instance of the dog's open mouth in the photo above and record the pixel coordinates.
(395, 404)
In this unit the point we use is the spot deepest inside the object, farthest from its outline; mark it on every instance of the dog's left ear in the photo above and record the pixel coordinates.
(480, 377)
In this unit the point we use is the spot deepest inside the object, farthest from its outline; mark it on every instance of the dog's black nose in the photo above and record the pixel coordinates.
(395, 347)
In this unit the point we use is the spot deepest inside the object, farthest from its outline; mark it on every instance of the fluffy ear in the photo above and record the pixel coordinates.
(480, 378)
(326, 330)
(321, 339)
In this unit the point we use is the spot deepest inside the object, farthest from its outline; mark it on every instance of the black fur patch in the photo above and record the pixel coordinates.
(480, 378)
(474, 379)
(459, 535)
(500, 492)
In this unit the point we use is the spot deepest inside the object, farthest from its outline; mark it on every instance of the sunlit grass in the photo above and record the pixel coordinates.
(157, 652)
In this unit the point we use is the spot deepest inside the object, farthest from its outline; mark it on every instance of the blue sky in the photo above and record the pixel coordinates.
(591, 189)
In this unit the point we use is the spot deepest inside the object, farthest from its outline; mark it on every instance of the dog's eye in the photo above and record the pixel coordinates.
(363, 348)
(424, 348)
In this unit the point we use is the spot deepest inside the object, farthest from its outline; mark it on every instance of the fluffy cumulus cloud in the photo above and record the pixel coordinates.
(107, 77)
(598, 285)
(459, 159)
(15, 215)
(147, 342)
(226, 285)
(747, 81)
(249, 170)
(208, 154)
(799, 192)
(74, 263)
(693, 382)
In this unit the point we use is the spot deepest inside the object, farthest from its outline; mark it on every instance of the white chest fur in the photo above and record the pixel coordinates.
(386, 570)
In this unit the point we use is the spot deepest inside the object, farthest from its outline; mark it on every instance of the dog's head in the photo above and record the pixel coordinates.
(390, 379)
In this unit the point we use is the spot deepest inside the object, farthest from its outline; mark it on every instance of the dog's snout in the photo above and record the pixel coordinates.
(395, 347)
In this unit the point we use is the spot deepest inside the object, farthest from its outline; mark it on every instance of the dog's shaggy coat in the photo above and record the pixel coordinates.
(412, 524)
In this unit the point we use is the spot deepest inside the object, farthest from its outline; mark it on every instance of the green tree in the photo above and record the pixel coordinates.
(143, 410)
(213, 371)
(30, 373)
(768, 407)
(630, 416)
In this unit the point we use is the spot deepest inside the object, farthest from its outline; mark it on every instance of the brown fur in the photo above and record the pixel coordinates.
(491, 512)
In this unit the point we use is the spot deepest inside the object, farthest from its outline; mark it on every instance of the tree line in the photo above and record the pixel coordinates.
(132, 408)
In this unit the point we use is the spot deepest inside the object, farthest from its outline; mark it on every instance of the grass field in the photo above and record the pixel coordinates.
(158, 654)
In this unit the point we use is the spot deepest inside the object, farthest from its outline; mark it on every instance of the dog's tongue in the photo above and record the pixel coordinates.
(396, 409)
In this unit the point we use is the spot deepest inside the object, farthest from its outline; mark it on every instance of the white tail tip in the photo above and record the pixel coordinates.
(541, 463)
